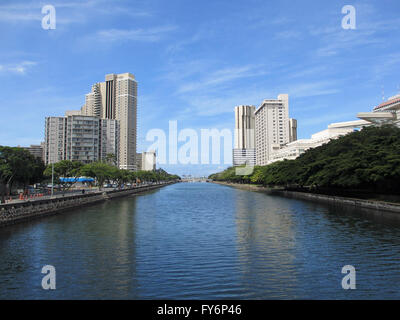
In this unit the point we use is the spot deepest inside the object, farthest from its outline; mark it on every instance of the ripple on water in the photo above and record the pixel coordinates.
(202, 241)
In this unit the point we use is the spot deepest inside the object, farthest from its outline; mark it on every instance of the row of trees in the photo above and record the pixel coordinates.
(17, 165)
(367, 160)
(103, 173)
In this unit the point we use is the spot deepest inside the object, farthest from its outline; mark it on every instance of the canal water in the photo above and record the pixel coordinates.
(202, 241)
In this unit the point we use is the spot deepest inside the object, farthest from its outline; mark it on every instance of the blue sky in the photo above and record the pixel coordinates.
(195, 60)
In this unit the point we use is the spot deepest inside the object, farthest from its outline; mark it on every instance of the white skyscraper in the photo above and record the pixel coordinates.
(116, 98)
(244, 148)
(272, 127)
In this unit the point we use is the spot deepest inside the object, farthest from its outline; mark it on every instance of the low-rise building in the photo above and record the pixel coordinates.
(335, 130)
(35, 150)
(387, 112)
(149, 161)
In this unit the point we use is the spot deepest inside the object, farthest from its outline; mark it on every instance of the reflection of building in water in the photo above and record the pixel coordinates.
(265, 239)
(119, 261)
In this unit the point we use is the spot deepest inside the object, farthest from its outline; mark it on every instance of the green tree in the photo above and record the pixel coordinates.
(111, 159)
(64, 169)
(101, 171)
(17, 165)
(366, 160)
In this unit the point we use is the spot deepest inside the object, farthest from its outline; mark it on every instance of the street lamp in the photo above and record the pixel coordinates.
(52, 179)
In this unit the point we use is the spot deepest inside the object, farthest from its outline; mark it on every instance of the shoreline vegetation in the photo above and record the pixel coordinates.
(389, 207)
(361, 165)
(19, 168)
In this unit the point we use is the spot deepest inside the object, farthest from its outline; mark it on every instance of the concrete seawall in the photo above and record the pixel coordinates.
(333, 200)
(12, 213)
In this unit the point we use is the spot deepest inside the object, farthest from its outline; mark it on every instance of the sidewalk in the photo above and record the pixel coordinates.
(59, 194)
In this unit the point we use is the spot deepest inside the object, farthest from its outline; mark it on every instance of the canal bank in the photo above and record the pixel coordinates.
(12, 213)
(380, 206)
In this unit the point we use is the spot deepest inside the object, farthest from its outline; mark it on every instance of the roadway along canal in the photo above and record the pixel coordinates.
(202, 241)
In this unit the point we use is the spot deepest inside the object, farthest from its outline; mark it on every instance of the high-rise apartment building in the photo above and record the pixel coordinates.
(80, 138)
(116, 98)
(138, 161)
(55, 137)
(109, 139)
(271, 127)
(244, 147)
(93, 102)
(106, 124)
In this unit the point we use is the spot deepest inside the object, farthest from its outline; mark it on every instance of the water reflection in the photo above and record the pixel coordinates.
(203, 241)
(265, 239)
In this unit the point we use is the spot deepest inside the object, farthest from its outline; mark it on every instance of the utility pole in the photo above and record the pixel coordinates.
(52, 179)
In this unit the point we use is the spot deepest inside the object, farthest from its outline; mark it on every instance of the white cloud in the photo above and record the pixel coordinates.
(386, 65)
(146, 35)
(72, 11)
(288, 35)
(368, 32)
(20, 67)
(328, 118)
(312, 89)
(222, 76)
(223, 102)
(179, 45)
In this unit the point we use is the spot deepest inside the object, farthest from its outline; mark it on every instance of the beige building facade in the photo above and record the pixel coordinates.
(116, 98)
(272, 127)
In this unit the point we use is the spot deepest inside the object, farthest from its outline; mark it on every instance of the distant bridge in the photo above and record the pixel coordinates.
(195, 179)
